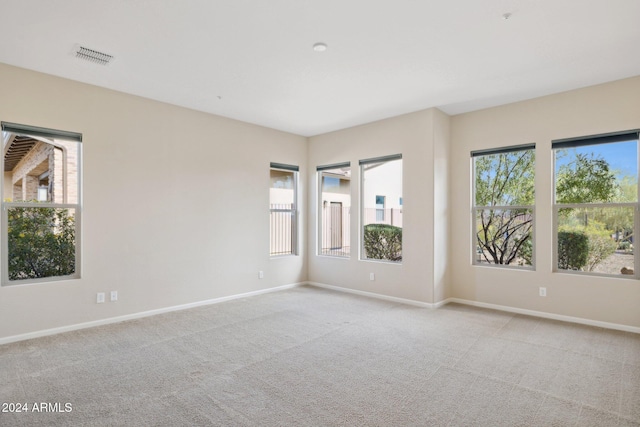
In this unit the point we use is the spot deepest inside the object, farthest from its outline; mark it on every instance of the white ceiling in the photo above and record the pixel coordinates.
(252, 60)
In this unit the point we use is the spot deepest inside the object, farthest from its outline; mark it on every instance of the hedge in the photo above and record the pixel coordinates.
(41, 242)
(573, 250)
(382, 241)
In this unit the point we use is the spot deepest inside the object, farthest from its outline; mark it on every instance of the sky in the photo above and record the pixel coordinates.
(621, 156)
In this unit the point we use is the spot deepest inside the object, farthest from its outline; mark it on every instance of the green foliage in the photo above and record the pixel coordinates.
(573, 250)
(526, 252)
(382, 241)
(625, 245)
(621, 219)
(585, 179)
(626, 189)
(601, 245)
(589, 179)
(41, 242)
(505, 179)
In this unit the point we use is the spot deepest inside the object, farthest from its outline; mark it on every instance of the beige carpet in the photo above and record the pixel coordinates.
(312, 357)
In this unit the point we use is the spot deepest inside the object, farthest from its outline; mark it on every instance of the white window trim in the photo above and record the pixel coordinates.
(320, 210)
(363, 163)
(294, 215)
(636, 223)
(475, 209)
(77, 221)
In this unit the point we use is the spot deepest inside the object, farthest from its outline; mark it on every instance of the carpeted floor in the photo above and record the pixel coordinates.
(313, 357)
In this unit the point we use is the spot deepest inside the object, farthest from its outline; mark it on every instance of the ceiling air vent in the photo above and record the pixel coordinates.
(93, 55)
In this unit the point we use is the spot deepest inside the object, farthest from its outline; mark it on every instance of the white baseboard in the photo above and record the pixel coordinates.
(110, 320)
(546, 315)
(377, 296)
(516, 310)
(69, 328)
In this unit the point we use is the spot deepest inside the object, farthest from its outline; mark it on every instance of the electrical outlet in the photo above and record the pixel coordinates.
(372, 276)
(100, 298)
(114, 295)
(543, 292)
(260, 274)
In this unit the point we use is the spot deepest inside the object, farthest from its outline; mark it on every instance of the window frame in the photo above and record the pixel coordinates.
(294, 211)
(320, 215)
(48, 136)
(599, 139)
(476, 209)
(362, 163)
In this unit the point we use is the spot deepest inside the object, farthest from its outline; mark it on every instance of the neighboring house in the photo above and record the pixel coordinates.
(382, 198)
(40, 169)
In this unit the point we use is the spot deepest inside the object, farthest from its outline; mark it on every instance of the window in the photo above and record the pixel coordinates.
(596, 200)
(41, 202)
(381, 219)
(503, 210)
(283, 202)
(380, 206)
(335, 209)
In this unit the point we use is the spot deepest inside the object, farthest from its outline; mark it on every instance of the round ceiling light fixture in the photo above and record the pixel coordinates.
(320, 47)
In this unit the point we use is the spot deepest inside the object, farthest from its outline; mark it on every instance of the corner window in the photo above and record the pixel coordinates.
(596, 200)
(381, 217)
(283, 204)
(503, 206)
(41, 202)
(334, 210)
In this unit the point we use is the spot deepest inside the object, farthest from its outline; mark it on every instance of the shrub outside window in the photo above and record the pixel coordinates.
(596, 200)
(503, 207)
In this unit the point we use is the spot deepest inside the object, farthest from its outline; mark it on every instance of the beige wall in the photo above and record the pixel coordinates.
(441, 222)
(176, 203)
(186, 218)
(599, 109)
(421, 139)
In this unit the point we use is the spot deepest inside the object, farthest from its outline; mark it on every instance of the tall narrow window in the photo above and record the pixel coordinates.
(335, 209)
(596, 200)
(381, 217)
(41, 202)
(283, 203)
(503, 210)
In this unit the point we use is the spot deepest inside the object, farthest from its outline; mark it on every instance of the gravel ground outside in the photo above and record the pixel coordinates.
(615, 262)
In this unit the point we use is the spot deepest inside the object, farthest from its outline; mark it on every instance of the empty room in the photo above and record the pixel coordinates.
(305, 213)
